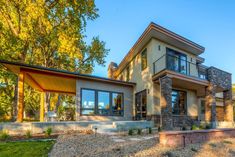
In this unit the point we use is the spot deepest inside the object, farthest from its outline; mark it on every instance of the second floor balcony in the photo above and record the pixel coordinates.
(180, 65)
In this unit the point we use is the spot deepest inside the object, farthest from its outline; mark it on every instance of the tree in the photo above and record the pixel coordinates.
(50, 33)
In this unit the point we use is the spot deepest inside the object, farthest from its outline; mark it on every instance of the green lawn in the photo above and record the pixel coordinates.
(25, 149)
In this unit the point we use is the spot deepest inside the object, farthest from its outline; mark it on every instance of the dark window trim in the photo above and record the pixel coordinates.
(185, 104)
(96, 103)
(144, 51)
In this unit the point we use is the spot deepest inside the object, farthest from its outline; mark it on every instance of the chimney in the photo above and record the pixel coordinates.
(111, 69)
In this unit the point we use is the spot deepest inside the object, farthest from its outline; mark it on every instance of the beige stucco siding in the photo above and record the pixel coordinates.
(143, 79)
(97, 85)
(192, 103)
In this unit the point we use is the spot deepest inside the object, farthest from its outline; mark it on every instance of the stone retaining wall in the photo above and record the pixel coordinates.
(182, 138)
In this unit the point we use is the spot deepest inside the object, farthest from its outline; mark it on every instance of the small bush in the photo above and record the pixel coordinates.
(227, 142)
(184, 128)
(48, 132)
(28, 134)
(159, 129)
(194, 127)
(4, 135)
(202, 126)
(208, 126)
(139, 131)
(150, 130)
(130, 132)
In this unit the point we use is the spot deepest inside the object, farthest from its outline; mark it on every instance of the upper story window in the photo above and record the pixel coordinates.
(128, 73)
(176, 61)
(144, 59)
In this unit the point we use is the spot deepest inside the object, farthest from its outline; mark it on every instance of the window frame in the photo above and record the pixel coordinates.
(185, 103)
(142, 65)
(96, 103)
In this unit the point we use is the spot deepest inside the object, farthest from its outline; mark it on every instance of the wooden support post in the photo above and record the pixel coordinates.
(42, 110)
(20, 98)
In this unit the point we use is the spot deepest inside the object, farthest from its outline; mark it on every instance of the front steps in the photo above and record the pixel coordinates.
(121, 126)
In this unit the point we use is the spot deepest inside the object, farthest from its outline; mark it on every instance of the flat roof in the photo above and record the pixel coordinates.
(54, 80)
(158, 32)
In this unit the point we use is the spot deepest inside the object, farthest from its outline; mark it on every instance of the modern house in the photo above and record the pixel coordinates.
(162, 78)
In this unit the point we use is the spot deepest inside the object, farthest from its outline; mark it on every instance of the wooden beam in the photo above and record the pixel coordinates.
(42, 94)
(33, 83)
(20, 94)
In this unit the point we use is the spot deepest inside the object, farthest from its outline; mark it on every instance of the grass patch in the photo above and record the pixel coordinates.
(26, 149)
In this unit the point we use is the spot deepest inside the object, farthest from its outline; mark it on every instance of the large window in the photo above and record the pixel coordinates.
(176, 61)
(144, 59)
(88, 102)
(95, 102)
(103, 103)
(117, 108)
(179, 102)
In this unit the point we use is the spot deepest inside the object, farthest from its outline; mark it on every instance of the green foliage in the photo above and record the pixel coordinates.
(159, 129)
(150, 131)
(208, 126)
(48, 132)
(4, 135)
(195, 127)
(28, 134)
(139, 131)
(184, 128)
(130, 132)
(25, 149)
(49, 34)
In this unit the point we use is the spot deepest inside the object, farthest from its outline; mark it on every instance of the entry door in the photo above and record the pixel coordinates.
(141, 105)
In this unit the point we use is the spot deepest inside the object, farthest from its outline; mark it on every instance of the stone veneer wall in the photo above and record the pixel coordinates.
(182, 138)
(166, 109)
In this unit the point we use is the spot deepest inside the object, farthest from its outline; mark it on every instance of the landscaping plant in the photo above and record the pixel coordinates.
(28, 134)
(194, 127)
(48, 132)
(130, 132)
(139, 131)
(4, 135)
(150, 130)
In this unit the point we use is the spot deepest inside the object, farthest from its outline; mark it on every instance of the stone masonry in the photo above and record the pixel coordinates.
(166, 109)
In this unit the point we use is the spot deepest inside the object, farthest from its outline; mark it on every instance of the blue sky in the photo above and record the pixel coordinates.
(209, 23)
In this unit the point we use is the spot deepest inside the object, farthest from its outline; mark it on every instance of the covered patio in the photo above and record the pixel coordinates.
(58, 81)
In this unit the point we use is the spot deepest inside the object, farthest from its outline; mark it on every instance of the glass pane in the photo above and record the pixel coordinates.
(178, 102)
(117, 104)
(203, 106)
(173, 63)
(103, 100)
(183, 65)
(88, 99)
(103, 112)
(88, 112)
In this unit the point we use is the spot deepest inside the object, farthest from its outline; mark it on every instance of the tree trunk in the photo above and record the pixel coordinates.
(47, 104)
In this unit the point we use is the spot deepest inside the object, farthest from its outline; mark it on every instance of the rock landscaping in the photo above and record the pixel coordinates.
(86, 145)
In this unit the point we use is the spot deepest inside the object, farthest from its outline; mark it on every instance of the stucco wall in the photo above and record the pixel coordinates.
(143, 79)
(127, 93)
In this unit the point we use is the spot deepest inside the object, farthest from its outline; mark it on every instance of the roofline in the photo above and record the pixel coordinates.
(74, 74)
(153, 25)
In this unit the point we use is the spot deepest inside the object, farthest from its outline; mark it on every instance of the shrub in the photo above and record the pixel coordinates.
(150, 130)
(159, 129)
(48, 132)
(194, 127)
(202, 126)
(139, 131)
(184, 128)
(4, 135)
(130, 132)
(208, 126)
(28, 134)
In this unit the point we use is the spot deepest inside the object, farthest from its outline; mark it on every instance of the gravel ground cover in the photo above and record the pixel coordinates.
(85, 145)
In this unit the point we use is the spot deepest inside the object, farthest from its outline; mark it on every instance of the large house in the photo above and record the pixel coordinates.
(162, 78)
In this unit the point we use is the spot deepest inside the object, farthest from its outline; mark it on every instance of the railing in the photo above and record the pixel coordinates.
(176, 64)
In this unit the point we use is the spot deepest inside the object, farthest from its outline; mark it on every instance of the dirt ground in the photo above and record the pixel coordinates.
(83, 145)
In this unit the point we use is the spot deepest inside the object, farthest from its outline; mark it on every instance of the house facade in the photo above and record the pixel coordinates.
(162, 78)
(173, 87)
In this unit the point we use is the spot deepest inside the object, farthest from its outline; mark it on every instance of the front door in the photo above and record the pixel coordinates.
(141, 105)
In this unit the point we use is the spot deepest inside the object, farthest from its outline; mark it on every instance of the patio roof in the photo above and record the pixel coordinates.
(53, 80)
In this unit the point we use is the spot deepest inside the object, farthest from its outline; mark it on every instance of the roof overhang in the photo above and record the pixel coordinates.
(52, 80)
(160, 33)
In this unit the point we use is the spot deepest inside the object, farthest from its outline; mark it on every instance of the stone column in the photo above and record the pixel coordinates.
(166, 103)
(20, 97)
(210, 108)
(78, 101)
(228, 106)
